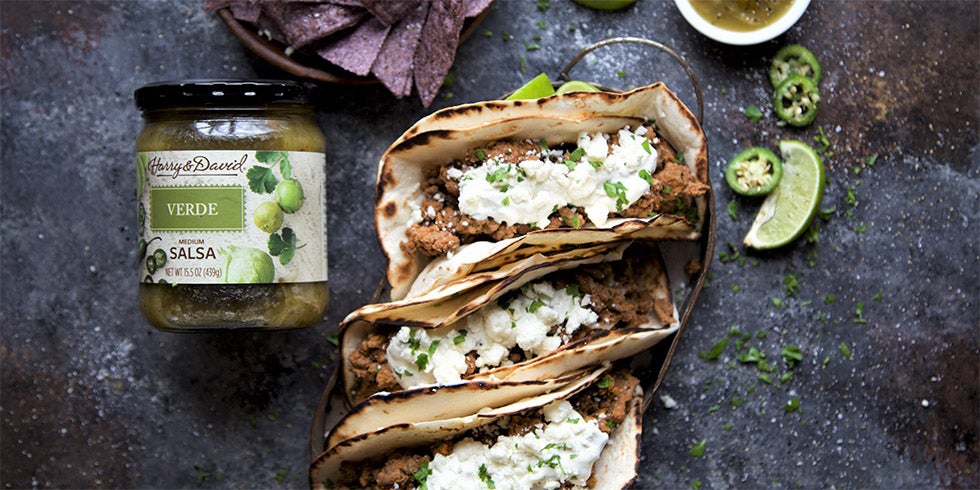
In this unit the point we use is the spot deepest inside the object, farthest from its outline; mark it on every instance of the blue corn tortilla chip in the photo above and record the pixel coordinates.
(434, 57)
(357, 51)
(474, 8)
(303, 24)
(390, 11)
(393, 67)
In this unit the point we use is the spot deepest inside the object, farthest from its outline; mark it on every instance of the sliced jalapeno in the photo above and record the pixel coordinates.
(754, 172)
(797, 100)
(794, 59)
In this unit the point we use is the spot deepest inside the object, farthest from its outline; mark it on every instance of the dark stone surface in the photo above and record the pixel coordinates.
(93, 397)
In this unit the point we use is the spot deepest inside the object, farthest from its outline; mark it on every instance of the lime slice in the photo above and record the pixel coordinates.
(606, 4)
(788, 210)
(539, 86)
(576, 86)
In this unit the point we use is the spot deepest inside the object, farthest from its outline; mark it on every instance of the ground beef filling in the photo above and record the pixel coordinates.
(622, 295)
(444, 228)
(606, 401)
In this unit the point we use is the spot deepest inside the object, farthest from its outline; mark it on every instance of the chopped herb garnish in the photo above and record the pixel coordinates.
(666, 190)
(792, 285)
(765, 378)
(423, 473)
(845, 350)
(826, 213)
(433, 346)
(543, 143)
(793, 404)
(611, 424)
(678, 158)
(733, 209)
(878, 296)
(859, 313)
(479, 153)
(752, 356)
(281, 476)
(498, 174)
(333, 338)
(828, 299)
(506, 37)
(696, 484)
(851, 198)
(778, 303)
(544, 4)
(697, 450)
(595, 163)
(523, 64)
(785, 377)
(617, 190)
(485, 476)
(861, 228)
(505, 201)
(532, 46)
(870, 161)
(792, 355)
(422, 361)
(460, 338)
(487, 33)
(753, 113)
(535, 305)
(542, 25)
(621, 73)
(573, 291)
(728, 426)
(645, 175)
(605, 382)
(646, 146)
(715, 351)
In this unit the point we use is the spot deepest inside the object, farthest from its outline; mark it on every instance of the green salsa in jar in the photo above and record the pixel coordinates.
(231, 206)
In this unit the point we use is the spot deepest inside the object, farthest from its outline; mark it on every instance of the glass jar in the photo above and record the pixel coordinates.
(231, 206)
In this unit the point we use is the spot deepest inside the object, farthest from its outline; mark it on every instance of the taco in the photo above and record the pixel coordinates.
(533, 323)
(632, 164)
(583, 435)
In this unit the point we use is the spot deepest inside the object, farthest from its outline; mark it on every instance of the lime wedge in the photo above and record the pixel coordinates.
(606, 4)
(576, 86)
(788, 210)
(539, 86)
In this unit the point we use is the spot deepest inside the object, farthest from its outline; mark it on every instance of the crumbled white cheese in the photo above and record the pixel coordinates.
(563, 450)
(602, 179)
(421, 356)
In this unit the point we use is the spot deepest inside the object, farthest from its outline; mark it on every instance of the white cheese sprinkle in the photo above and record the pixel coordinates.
(600, 178)
(421, 356)
(563, 450)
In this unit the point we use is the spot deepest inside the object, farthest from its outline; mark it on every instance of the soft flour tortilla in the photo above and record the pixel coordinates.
(456, 302)
(380, 430)
(448, 134)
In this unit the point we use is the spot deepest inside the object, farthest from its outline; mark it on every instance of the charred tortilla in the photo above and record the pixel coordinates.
(421, 209)
(536, 322)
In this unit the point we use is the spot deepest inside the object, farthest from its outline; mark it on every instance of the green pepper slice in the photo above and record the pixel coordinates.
(754, 172)
(797, 100)
(794, 59)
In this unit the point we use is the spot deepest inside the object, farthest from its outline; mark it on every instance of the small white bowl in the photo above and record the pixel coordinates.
(737, 38)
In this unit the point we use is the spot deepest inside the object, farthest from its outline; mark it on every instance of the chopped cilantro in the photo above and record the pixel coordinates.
(573, 291)
(870, 161)
(333, 338)
(861, 228)
(753, 113)
(645, 175)
(778, 303)
(792, 285)
(826, 213)
(423, 473)
(422, 361)
(544, 4)
(733, 209)
(617, 190)
(479, 153)
(715, 351)
(828, 299)
(605, 382)
(498, 174)
(696, 484)
(765, 378)
(851, 198)
(505, 201)
(785, 377)
(859, 313)
(845, 351)
(460, 338)
(543, 143)
(485, 476)
(791, 355)
(542, 25)
(621, 73)
(535, 305)
(646, 146)
(793, 404)
(487, 33)
(532, 46)
(878, 296)
(728, 426)
(697, 450)
(735, 288)
(281, 475)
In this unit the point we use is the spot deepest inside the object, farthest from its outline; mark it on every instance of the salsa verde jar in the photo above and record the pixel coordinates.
(231, 203)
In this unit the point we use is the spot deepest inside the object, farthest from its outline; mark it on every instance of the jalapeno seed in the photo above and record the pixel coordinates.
(754, 172)
(797, 100)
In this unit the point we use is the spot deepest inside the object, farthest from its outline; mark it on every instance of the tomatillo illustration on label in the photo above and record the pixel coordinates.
(231, 217)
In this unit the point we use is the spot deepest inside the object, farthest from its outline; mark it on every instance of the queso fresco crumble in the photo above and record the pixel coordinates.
(511, 187)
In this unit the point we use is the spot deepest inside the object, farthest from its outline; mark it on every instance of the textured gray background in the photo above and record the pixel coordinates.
(93, 397)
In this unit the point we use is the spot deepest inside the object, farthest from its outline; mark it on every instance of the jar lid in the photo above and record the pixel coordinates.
(220, 93)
